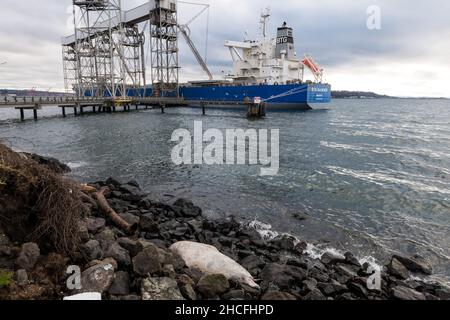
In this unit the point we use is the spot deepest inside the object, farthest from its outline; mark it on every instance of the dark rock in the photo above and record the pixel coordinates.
(315, 295)
(331, 288)
(95, 225)
(329, 258)
(130, 189)
(397, 269)
(130, 218)
(114, 182)
(51, 163)
(21, 277)
(158, 243)
(28, 256)
(416, 264)
(98, 278)
(186, 208)
(197, 226)
(309, 285)
(132, 246)
(443, 294)
(160, 289)
(301, 247)
(404, 293)
(107, 236)
(91, 250)
(358, 288)
(346, 271)
(351, 259)
(188, 292)
(300, 216)
(234, 295)
(134, 183)
(169, 271)
(131, 297)
(298, 273)
(119, 254)
(284, 242)
(213, 285)
(278, 296)
(147, 262)
(318, 274)
(121, 284)
(148, 224)
(300, 262)
(227, 241)
(278, 275)
(252, 262)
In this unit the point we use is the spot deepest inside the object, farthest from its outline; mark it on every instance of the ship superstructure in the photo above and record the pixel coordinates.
(266, 60)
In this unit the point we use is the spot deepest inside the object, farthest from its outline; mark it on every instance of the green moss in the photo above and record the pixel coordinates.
(6, 278)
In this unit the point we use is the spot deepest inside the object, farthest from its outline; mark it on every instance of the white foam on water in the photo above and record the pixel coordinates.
(264, 229)
(76, 165)
(313, 251)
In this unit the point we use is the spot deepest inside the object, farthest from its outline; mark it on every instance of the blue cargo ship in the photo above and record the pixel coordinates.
(267, 69)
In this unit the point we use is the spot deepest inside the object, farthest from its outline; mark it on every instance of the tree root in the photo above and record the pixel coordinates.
(116, 219)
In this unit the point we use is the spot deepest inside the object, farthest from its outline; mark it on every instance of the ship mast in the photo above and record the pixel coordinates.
(264, 20)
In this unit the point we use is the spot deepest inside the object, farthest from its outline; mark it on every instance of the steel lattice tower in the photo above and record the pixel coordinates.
(164, 50)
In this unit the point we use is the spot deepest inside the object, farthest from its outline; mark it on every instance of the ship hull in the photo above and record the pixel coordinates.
(276, 97)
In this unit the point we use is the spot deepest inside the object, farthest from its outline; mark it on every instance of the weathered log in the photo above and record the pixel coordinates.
(116, 219)
(87, 199)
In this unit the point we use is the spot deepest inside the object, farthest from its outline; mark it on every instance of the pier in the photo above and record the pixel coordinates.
(101, 105)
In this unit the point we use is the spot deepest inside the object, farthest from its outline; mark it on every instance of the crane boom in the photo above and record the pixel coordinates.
(184, 31)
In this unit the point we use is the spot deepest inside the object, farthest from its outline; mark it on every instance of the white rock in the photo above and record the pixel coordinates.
(88, 296)
(209, 260)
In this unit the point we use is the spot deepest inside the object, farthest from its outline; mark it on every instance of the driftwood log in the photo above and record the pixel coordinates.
(107, 210)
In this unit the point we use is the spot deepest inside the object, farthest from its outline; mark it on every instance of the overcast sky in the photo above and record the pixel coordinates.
(409, 56)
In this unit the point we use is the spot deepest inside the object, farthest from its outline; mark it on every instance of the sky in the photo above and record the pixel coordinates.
(408, 56)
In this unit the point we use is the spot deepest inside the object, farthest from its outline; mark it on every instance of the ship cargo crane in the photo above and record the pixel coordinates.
(185, 32)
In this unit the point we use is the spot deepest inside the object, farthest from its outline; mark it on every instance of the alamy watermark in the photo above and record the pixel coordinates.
(374, 17)
(235, 147)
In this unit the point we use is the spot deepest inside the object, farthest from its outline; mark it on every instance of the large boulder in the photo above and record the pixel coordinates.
(279, 275)
(92, 250)
(160, 289)
(119, 254)
(121, 284)
(416, 264)
(95, 225)
(148, 261)
(98, 278)
(209, 260)
(397, 269)
(330, 258)
(186, 208)
(28, 256)
(404, 293)
(213, 285)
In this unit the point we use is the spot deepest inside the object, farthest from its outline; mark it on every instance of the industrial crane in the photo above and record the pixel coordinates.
(185, 31)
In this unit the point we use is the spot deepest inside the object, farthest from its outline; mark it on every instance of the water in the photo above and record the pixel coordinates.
(374, 175)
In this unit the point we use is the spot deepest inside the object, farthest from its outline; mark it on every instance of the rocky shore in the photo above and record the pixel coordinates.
(141, 264)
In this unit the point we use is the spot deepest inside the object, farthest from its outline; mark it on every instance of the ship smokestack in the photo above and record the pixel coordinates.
(285, 42)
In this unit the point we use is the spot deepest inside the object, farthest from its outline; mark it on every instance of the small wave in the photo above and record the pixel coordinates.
(382, 179)
(76, 165)
(313, 251)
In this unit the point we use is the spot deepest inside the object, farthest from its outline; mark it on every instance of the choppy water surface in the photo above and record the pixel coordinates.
(374, 175)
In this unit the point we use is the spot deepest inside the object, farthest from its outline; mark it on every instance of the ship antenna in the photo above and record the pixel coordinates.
(264, 18)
